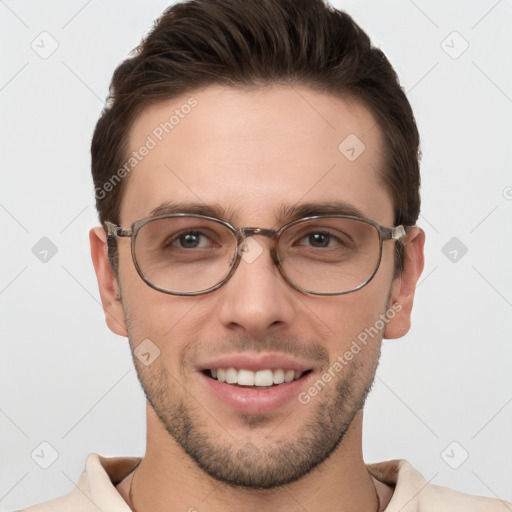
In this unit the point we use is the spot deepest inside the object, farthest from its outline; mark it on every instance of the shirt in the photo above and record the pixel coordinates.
(96, 490)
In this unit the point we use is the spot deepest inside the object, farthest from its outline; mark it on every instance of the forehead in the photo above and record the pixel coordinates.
(254, 155)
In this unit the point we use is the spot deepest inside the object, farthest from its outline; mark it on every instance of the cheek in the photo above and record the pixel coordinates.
(149, 314)
(353, 317)
(165, 318)
(361, 313)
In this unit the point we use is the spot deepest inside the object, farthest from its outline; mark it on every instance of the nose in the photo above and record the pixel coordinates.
(257, 298)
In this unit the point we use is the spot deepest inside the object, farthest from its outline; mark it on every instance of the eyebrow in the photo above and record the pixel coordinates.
(285, 213)
(210, 210)
(300, 210)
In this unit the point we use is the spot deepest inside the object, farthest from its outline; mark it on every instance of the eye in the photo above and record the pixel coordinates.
(319, 239)
(188, 240)
(323, 239)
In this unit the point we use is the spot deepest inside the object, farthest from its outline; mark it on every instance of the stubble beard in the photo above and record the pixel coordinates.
(257, 465)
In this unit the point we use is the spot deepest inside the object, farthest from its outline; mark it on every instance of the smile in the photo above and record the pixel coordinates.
(261, 379)
(255, 392)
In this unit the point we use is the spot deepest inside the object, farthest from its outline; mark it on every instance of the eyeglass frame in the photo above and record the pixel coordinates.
(241, 234)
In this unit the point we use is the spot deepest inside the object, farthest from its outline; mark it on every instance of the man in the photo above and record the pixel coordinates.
(257, 181)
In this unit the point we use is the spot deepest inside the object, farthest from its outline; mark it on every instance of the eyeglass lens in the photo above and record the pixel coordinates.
(190, 254)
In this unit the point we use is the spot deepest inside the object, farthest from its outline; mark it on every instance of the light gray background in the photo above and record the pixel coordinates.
(65, 379)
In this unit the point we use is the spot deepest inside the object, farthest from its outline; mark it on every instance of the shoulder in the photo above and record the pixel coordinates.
(412, 492)
(443, 499)
(95, 490)
(63, 504)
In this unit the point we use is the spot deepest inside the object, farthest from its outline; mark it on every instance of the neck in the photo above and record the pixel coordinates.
(168, 479)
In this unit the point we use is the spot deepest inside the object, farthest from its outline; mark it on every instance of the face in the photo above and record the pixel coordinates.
(253, 154)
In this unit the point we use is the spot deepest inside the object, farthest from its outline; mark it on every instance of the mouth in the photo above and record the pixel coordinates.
(256, 391)
(257, 380)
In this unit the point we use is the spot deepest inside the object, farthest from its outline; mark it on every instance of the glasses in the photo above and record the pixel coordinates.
(188, 254)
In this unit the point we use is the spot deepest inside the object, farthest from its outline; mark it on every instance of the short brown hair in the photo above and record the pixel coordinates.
(252, 43)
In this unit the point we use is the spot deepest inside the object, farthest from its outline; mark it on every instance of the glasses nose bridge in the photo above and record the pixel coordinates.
(247, 232)
(244, 233)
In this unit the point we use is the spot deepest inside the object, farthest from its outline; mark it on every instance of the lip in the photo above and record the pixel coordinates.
(255, 401)
(256, 363)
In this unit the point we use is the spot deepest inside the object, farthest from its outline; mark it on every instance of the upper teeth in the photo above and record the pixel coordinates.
(250, 378)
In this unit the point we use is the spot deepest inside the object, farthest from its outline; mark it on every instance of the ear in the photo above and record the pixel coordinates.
(107, 282)
(404, 286)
